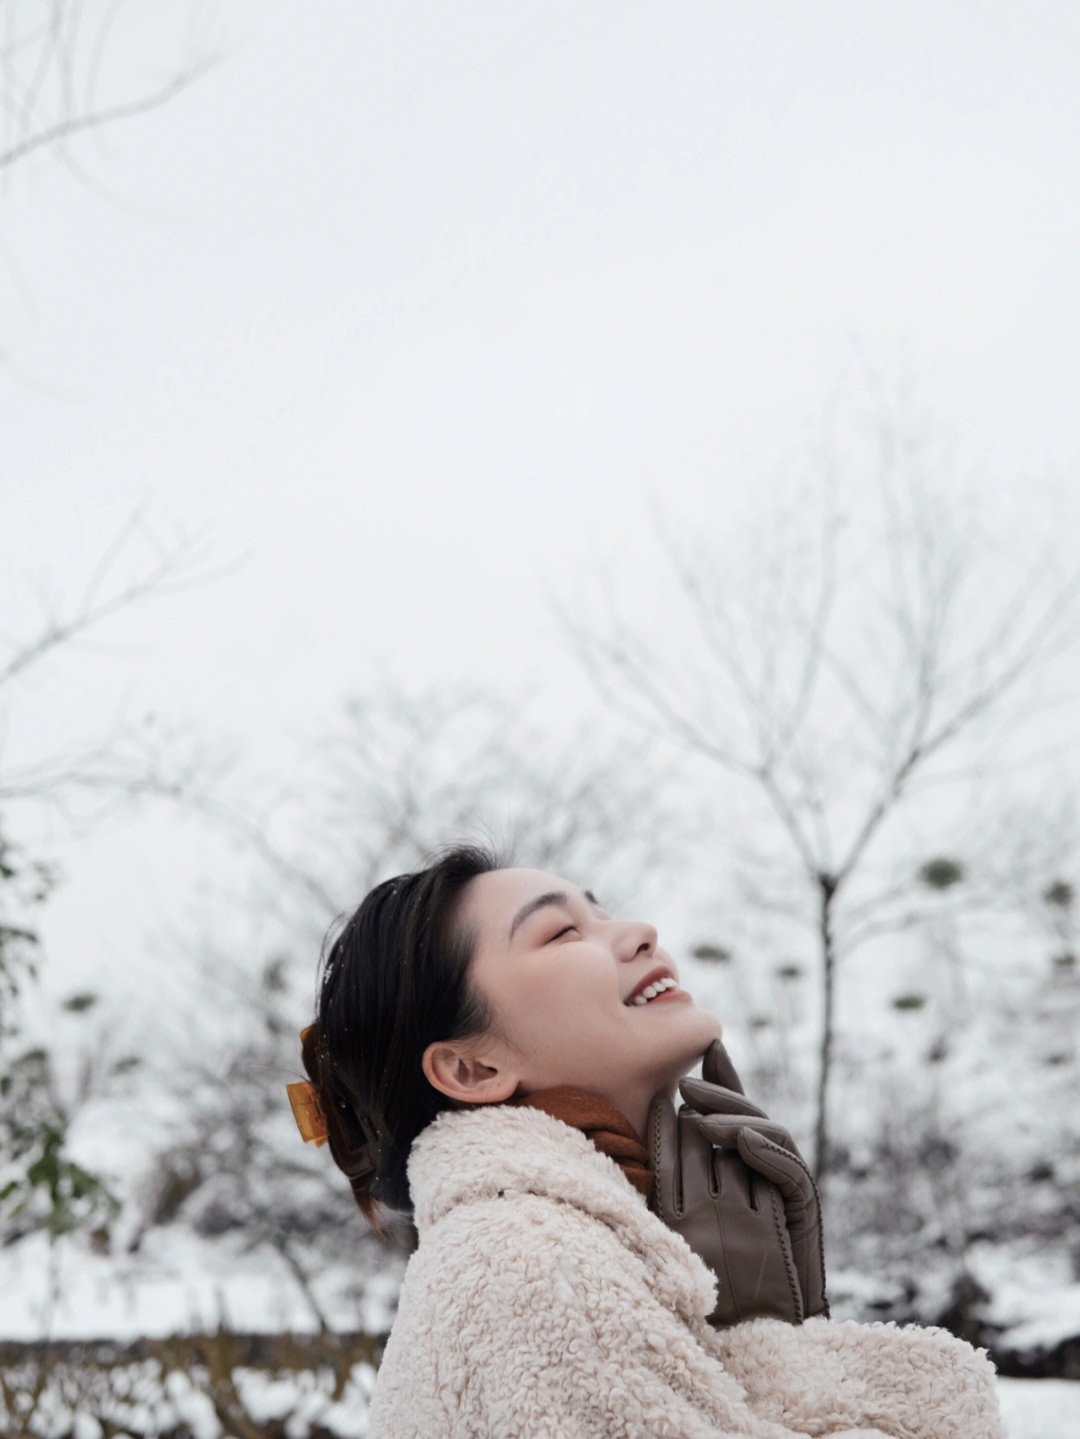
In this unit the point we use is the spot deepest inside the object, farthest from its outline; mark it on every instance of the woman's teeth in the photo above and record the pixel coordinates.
(652, 990)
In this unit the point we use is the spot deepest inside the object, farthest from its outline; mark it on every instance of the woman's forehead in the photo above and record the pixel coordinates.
(492, 900)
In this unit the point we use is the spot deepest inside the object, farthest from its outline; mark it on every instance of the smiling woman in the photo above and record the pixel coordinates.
(492, 1050)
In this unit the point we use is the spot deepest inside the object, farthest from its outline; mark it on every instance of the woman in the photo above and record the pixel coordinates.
(488, 1047)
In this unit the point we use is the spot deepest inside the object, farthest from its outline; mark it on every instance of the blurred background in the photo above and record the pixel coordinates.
(643, 436)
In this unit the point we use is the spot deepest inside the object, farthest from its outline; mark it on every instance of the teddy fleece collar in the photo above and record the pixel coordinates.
(497, 1151)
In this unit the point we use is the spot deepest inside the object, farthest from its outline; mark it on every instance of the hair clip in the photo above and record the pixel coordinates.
(308, 1112)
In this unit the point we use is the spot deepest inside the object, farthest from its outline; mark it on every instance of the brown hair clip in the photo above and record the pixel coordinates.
(308, 1112)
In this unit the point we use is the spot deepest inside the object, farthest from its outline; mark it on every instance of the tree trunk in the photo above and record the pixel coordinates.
(827, 893)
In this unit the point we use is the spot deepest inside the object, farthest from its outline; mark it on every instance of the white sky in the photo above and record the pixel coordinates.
(410, 309)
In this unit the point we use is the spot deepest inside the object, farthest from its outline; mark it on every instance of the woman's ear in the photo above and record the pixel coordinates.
(457, 1071)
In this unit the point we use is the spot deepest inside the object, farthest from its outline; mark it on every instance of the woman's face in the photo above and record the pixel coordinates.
(561, 978)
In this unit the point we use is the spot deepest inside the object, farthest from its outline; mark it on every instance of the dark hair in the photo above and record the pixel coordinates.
(395, 980)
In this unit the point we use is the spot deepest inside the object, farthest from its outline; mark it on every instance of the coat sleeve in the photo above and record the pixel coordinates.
(527, 1319)
(912, 1383)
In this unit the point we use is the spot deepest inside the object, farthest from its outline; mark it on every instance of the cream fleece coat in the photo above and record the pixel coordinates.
(546, 1301)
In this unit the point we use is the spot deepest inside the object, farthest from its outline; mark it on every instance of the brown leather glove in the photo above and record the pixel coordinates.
(733, 1184)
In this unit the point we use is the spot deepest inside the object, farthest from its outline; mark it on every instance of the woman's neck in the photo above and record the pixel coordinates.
(636, 1107)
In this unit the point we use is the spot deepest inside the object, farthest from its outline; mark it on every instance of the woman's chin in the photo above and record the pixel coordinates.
(696, 1032)
(707, 1025)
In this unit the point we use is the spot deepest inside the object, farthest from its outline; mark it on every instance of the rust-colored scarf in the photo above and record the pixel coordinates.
(607, 1127)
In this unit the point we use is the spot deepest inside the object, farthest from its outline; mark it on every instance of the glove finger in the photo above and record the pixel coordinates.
(784, 1293)
(780, 1167)
(724, 1129)
(717, 1068)
(802, 1208)
(663, 1142)
(714, 1099)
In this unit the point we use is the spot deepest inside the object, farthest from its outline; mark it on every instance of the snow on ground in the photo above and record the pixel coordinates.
(177, 1284)
(1041, 1408)
(1034, 1301)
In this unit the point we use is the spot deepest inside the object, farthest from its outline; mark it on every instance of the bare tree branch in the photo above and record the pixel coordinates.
(54, 43)
(72, 124)
(170, 572)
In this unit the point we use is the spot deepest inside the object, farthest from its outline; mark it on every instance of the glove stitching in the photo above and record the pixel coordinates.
(676, 1186)
(821, 1248)
(780, 1220)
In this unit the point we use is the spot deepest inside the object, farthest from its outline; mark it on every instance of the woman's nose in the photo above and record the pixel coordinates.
(635, 938)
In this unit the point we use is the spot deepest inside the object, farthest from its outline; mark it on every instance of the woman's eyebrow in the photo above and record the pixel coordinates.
(555, 896)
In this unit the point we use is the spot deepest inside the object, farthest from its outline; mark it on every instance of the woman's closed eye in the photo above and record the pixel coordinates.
(566, 930)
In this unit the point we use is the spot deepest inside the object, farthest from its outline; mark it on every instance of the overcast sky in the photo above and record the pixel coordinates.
(408, 311)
